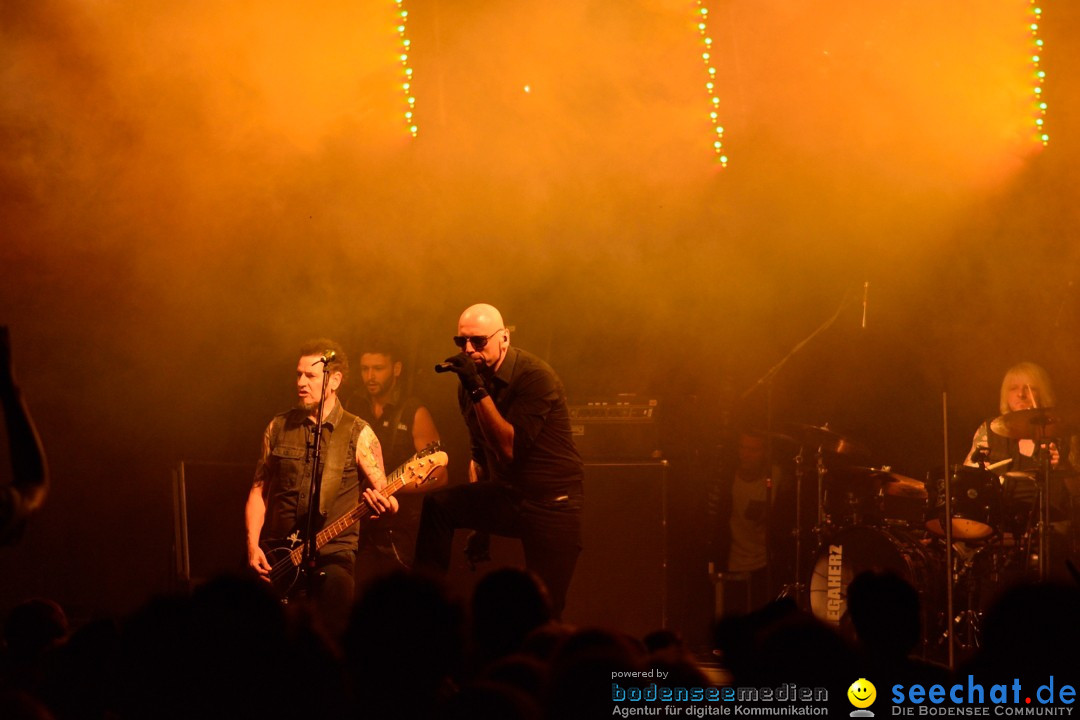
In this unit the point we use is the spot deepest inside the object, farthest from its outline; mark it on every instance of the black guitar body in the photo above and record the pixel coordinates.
(286, 561)
(286, 557)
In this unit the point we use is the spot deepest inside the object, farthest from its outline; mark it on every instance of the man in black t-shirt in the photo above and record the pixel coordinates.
(526, 476)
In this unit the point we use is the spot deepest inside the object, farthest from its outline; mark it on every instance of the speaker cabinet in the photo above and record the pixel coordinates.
(208, 519)
(621, 577)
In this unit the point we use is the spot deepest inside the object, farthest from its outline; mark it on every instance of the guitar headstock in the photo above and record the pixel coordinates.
(419, 468)
(430, 449)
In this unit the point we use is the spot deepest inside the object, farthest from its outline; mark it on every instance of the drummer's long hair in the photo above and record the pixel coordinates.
(1036, 376)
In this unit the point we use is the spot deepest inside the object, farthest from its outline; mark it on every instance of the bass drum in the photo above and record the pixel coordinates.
(861, 548)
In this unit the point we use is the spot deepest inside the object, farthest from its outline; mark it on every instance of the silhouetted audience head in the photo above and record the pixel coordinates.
(542, 642)
(228, 650)
(487, 700)
(664, 646)
(801, 646)
(780, 644)
(668, 652)
(737, 638)
(662, 640)
(1035, 627)
(31, 631)
(521, 671)
(404, 644)
(82, 678)
(507, 604)
(583, 668)
(32, 627)
(884, 609)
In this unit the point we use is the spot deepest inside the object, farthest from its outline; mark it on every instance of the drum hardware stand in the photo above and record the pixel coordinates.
(950, 628)
(818, 530)
(797, 530)
(969, 619)
(1043, 526)
(824, 526)
(821, 471)
(769, 471)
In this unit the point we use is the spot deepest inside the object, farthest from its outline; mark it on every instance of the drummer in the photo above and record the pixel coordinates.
(1026, 387)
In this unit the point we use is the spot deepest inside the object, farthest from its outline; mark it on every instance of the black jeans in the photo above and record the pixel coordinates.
(334, 592)
(550, 530)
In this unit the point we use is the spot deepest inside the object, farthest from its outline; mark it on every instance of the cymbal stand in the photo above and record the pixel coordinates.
(822, 518)
(950, 606)
(968, 624)
(1043, 526)
(796, 588)
(766, 381)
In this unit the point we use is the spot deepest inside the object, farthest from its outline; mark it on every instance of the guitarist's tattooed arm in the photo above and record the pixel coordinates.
(369, 458)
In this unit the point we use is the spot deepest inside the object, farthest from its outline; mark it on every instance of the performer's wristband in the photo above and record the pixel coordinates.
(478, 394)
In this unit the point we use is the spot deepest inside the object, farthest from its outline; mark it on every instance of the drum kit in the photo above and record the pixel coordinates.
(976, 529)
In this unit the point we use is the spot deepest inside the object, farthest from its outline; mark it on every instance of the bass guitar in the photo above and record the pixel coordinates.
(286, 557)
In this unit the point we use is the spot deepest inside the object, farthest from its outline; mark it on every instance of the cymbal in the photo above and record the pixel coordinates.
(1034, 424)
(890, 483)
(827, 439)
(905, 487)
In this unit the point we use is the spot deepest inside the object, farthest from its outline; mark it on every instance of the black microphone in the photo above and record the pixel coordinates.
(327, 358)
(443, 367)
(865, 295)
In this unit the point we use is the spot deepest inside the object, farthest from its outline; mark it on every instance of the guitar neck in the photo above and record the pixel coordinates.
(362, 510)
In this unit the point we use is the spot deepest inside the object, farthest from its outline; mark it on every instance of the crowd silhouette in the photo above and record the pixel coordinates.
(230, 649)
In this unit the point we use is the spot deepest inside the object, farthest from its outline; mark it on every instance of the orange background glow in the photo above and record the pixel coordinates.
(190, 189)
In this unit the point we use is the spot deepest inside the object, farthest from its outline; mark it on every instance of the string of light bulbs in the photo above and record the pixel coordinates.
(710, 83)
(407, 71)
(1039, 74)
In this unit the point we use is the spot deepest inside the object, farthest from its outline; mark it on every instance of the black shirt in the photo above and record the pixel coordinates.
(529, 395)
(395, 432)
(394, 427)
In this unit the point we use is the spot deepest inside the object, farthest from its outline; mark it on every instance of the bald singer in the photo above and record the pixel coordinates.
(525, 473)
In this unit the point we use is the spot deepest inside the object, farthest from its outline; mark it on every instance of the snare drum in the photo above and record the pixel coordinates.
(976, 504)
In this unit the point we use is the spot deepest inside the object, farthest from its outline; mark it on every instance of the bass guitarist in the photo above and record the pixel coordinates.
(350, 458)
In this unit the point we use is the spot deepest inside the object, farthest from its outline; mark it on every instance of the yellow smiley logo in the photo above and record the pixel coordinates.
(862, 693)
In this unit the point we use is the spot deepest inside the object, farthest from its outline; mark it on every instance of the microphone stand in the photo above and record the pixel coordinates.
(315, 489)
(767, 381)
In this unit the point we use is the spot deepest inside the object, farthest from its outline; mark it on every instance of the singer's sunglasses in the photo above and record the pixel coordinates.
(479, 342)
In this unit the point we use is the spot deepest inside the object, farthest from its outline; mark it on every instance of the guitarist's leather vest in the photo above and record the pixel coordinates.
(290, 463)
